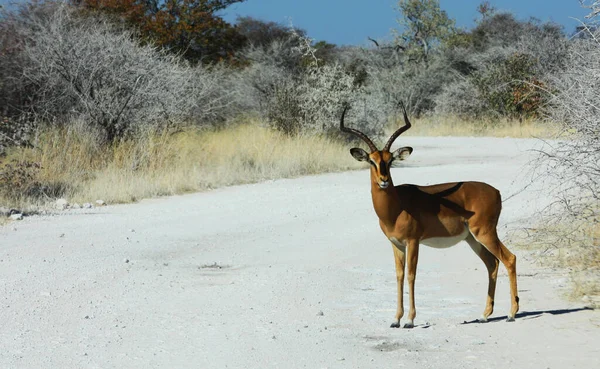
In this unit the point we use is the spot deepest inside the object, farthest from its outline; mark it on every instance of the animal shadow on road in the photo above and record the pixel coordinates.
(532, 314)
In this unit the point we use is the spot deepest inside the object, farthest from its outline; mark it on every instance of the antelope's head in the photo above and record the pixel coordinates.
(380, 160)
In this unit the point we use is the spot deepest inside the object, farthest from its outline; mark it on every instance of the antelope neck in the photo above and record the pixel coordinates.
(386, 202)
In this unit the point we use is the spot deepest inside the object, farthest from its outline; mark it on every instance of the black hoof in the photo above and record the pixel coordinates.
(409, 325)
(395, 325)
(510, 319)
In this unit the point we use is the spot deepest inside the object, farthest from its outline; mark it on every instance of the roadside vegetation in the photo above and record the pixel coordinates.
(67, 162)
(123, 100)
(568, 231)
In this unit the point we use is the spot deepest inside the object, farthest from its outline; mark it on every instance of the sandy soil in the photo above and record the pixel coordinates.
(284, 274)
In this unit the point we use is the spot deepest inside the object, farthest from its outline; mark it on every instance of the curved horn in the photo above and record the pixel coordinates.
(400, 130)
(354, 131)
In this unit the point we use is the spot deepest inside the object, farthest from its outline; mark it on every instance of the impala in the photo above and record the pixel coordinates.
(439, 216)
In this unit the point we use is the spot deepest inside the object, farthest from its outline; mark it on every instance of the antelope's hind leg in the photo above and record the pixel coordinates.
(491, 263)
(489, 239)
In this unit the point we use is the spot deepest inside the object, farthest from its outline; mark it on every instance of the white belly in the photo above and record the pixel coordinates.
(445, 242)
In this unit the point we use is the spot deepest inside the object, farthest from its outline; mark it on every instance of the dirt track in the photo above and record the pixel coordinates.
(283, 274)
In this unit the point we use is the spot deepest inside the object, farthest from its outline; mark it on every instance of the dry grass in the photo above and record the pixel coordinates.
(454, 126)
(74, 166)
(584, 260)
(568, 245)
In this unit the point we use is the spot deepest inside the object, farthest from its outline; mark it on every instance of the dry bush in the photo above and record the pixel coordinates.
(593, 5)
(293, 90)
(501, 82)
(81, 66)
(18, 178)
(575, 163)
(498, 68)
(17, 131)
(461, 98)
(570, 169)
(326, 88)
(494, 73)
(268, 86)
(388, 77)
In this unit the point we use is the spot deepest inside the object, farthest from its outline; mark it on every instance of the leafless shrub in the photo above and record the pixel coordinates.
(547, 44)
(18, 178)
(576, 161)
(570, 169)
(283, 110)
(594, 7)
(384, 75)
(16, 131)
(208, 98)
(273, 70)
(384, 78)
(15, 92)
(292, 88)
(279, 53)
(462, 99)
(499, 66)
(85, 67)
(259, 33)
(326, 89)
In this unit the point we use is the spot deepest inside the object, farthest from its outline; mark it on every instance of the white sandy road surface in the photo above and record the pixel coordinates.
(285, 274)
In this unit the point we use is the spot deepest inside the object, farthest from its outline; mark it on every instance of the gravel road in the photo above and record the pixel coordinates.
(284, 274)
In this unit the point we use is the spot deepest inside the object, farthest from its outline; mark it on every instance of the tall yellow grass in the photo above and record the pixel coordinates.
(164, 163)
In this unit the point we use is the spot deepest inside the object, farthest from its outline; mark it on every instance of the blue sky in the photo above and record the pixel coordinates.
(350, 22)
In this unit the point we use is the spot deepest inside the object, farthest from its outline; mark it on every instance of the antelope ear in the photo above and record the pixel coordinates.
(402, 153)
(359, 154)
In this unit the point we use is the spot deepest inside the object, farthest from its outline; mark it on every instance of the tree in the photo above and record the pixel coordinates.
(262, 33)
(593, 6)
(73, 69)
(485, 10)
(325, 51)
(191, 28)
(425, 26)
(503, 65)
(510, 88)
(499, 30)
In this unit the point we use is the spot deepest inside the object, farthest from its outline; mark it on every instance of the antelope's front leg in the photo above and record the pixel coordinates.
(413, 259)
(399, 252)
